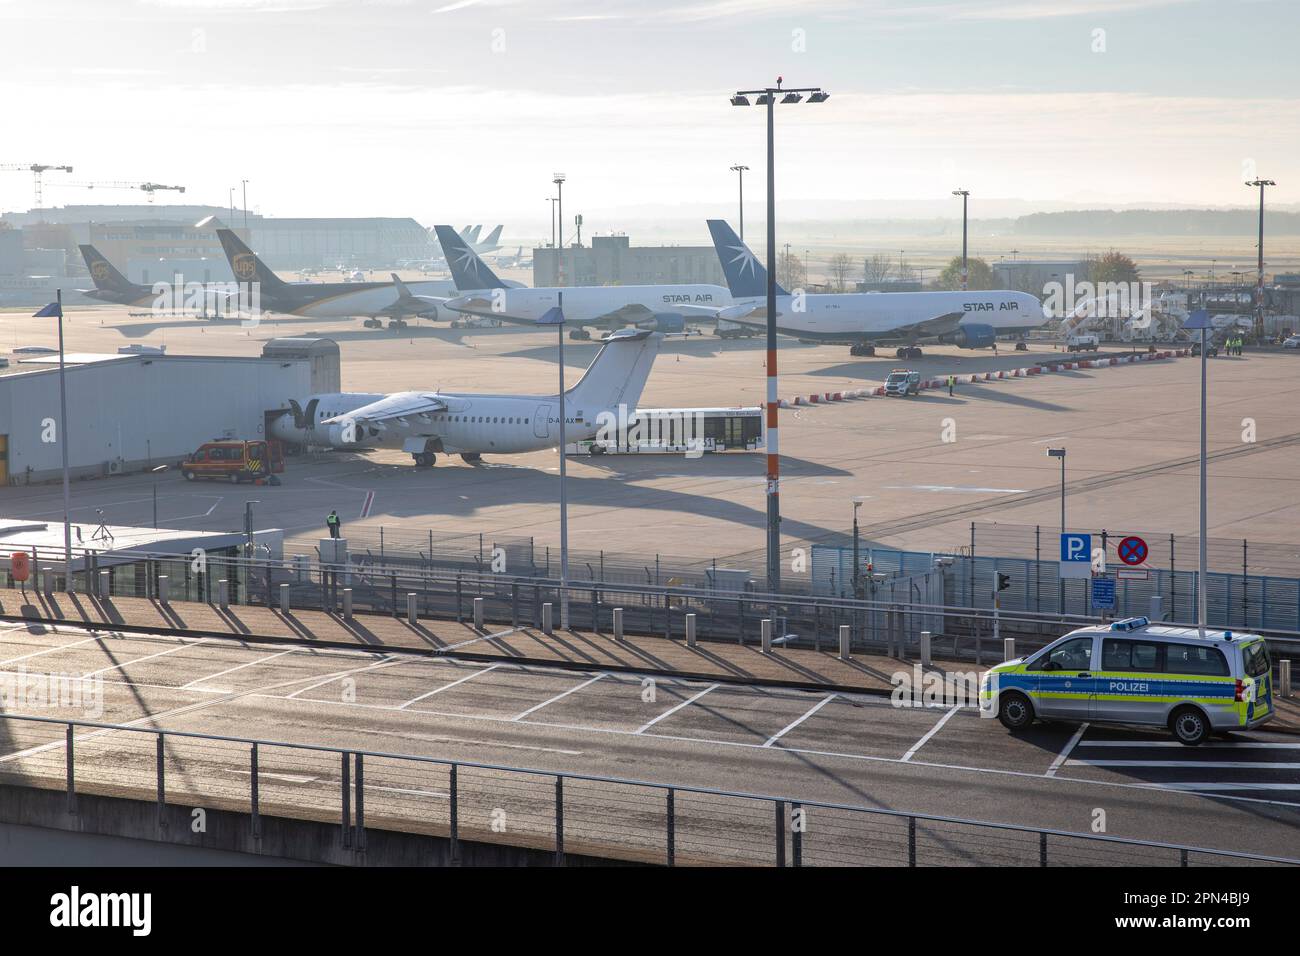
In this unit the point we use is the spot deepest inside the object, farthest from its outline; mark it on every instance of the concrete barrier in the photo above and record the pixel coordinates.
(412, 607)
(844, 642)
(284, 598)
(478, 613)
(690, 630)
(164, 589)
(347, 604)
(925, 649)
(548, 613)
(1008, 649)
(223, 594)
(766, 632)
(618, 624)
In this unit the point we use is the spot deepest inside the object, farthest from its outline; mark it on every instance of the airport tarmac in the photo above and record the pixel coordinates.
(1130, 430)
(1241, 793)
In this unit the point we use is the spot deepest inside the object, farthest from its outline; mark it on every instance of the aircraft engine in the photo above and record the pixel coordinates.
(974, 336)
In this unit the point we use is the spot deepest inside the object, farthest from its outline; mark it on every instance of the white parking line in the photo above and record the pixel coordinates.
(1182, 764)
(410, 790)
(1223, 786)
(932, 731)
(791, 726)
(231, 670)
(571, 690)
(1208, 745)
(672, 710)
(147, 657)
(342, 674)
(48, 650)
(439, 690)
(1066, 750)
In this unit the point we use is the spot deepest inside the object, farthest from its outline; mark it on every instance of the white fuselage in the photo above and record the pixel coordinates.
(587, 304)
(872, 315)
(471, 424)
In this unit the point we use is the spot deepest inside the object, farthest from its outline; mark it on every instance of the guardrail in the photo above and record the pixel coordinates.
(562, 813)
(799, 620)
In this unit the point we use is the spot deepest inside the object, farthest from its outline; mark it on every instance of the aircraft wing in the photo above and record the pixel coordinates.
(398, 407)
(939, 325)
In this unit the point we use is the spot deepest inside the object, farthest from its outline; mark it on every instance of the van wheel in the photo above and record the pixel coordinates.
(1015, 711)
(234, 477)
(1189, 726)
(189, 476)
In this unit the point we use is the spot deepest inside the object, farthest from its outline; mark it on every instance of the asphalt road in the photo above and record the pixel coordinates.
(1238, 794)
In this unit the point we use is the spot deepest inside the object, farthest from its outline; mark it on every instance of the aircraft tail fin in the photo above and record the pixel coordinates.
(472, 236)
(746, 276)
(103, 272)
(493, 239)
(468, 271)
(245, 264)
(402, 291)
(618, 373)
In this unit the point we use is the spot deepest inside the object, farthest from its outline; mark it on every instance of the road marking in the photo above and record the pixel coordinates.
(410, 790)
(339, 676)
(791, 726)
(147, 657)
(1181, 764)
(1224, 786)
(1065, 751)
(933, 730)
(475, 640)
(672, 710)
(571, 690)
(439, 690)
(269, 775)
(367, 504)
(49, 650)
(1204, 746)
(231, 670)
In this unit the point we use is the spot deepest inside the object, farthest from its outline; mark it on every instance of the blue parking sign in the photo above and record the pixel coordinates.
(1076, 547)
(1103, 594)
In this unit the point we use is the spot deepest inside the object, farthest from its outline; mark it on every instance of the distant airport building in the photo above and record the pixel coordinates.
(131, 412)
(1034, 275)
(613, 260)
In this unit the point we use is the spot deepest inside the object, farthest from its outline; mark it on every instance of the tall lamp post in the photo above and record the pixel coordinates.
(245, 183)
(555, 317)
(55, 310)
(558, 179)
(1200, 319)
(1060, 582)
(857, 561)
(157, 470)
(1259, 275)
(965, 195)
(740, 171)
(767, 97)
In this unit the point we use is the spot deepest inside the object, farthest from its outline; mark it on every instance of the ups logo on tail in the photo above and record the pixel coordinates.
(244, 266)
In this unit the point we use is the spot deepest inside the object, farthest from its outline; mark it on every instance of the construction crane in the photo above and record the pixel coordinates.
(37, 170)
(149, 188)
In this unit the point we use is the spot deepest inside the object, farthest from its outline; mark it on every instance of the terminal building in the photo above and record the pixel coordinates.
(137, 411)
(613, 260)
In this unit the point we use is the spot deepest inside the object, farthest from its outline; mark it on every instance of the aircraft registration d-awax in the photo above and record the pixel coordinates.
(663, 308)
(472, 425)
(970, 320)
(322, 300)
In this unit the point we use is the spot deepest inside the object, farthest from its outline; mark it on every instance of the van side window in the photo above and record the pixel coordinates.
(1073, 655)
(1122, 655)
(1195, 659)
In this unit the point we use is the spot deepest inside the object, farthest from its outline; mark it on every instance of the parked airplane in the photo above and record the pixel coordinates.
(111, 285)
(970, 320)
(318, 299)
(472, 425)
(663, 308)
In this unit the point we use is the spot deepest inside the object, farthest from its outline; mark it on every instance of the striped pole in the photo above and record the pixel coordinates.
(773, 403)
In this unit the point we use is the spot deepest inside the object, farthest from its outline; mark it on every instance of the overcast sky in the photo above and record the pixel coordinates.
(461, 110)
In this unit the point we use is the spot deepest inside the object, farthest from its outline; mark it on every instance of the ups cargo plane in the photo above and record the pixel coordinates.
(323, 300)
(111, 285)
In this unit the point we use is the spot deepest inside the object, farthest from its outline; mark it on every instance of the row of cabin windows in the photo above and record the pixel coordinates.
(482, 419)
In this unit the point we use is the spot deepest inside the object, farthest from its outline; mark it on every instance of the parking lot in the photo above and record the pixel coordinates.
(1242, 793)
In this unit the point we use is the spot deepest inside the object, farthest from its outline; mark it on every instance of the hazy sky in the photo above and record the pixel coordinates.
(461, 110)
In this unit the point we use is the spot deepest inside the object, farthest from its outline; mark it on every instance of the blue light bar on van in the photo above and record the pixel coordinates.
(1130, 624)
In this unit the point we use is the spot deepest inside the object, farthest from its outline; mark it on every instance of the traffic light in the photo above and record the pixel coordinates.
(1004, 581)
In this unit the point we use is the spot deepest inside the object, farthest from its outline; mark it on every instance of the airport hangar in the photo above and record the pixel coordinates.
(132, 412)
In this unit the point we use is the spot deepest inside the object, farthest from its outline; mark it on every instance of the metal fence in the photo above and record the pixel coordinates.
(557, 813)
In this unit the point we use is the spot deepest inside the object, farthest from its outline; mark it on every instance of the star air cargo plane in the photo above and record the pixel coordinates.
(425, 424)
(320, 300)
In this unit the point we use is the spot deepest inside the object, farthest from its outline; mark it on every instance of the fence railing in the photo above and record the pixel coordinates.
(889, 620)
(555, 812)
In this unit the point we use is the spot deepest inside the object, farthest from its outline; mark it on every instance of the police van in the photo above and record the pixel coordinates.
(1135, 672)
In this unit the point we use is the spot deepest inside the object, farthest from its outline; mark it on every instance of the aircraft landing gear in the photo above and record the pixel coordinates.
(909, 352)
(396, 325)
(471, 457)
(373, 323)
(860, 350)
(424, 459)
(580, 335)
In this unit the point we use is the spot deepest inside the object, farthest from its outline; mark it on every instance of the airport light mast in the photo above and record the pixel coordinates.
(965, 195)
(1259, 275)
(559, 201)
(740, 171)
(768, 97)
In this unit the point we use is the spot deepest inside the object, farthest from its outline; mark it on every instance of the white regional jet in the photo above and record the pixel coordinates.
(663, 308)
(472, 425)
(970, 320)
